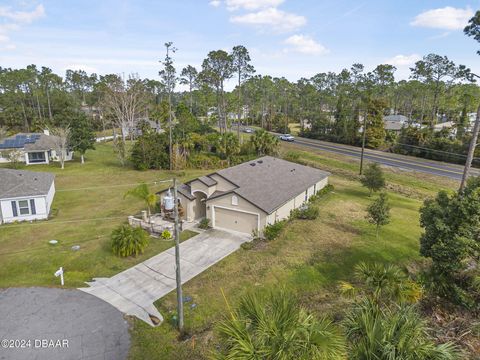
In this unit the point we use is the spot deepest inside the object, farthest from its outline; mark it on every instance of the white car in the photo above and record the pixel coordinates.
(248, 130)
(286, 137)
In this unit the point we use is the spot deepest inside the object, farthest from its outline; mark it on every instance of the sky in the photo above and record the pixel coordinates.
(290, 38)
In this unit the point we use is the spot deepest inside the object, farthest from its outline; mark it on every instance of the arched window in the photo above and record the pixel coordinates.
(234, 200)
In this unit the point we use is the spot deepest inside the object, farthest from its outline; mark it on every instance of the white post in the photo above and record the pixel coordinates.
(58, 273)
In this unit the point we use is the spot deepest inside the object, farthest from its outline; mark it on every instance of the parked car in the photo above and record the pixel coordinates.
(248, 130)
(286, 137)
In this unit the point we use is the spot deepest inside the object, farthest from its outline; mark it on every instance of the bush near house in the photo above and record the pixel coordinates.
(204, 223)
(272, 231)
(307, 212)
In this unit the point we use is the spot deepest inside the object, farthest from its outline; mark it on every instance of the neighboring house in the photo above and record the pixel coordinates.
(395, 122)
(25, 195)
(249, 196)
(32, 148)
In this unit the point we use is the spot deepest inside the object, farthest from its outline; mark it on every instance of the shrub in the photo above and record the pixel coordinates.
(166, 235)
(204, 223)
(305, 213)
(128, 240)
(292, 156)
(272, 231)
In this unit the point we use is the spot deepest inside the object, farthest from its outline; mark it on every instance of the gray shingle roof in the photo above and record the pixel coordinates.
(44, 143)
(207, 180)
(17, 183)
(269, 182)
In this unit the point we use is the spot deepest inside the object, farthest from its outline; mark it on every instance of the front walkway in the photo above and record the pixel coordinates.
(134, 290)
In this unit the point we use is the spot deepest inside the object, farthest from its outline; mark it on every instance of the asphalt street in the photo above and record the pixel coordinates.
(409, 163)
(60, 324)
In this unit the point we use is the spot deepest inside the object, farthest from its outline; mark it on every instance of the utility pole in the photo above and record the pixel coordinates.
(177, 260)
(364, 132)
(471, 151)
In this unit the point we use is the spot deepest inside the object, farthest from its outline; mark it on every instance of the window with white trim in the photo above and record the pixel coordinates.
(23, 207)
(234, 200)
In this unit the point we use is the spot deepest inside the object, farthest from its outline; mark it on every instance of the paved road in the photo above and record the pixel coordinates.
(134, 291)
(60, 325)
(411, 163)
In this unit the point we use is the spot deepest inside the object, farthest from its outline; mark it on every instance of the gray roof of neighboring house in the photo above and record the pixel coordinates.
(44, 143)
(393, 125)
(269, 182)
(18, 141)
(395, 118)
(29, 142)
(19, 183)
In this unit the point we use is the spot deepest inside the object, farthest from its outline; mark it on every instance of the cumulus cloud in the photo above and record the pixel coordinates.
(233, 5)
(306, 45)
(403, 60)
(215, 3)
(24, 17)
(273, 18)
(13, 19)
(447, 18)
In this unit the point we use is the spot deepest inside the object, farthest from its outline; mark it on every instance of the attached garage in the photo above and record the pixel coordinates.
(235, 220)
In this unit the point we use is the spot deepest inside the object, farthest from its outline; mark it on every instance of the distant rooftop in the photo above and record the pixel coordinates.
(17, 183)
(18, 141)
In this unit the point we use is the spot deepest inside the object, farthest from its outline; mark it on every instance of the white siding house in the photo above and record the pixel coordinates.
(25, 195)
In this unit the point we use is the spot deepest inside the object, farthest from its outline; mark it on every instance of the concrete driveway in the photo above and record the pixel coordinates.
(60, 324)
(134, 291)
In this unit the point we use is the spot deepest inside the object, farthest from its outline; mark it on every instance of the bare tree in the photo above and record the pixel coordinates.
(125, 101)
(61, 139)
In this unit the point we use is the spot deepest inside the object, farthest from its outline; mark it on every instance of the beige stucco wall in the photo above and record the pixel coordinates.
(243, 206)
(283, 212)
(197, 185)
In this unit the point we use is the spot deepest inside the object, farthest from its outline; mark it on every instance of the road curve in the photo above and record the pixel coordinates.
(410, 163)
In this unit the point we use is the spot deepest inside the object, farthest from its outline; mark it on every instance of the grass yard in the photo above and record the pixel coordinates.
(309, 257)
(88, 204)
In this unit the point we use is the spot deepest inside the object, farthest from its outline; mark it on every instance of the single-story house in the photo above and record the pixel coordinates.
(25, 195)
(395, 122)
(31, 148)
(249, 196)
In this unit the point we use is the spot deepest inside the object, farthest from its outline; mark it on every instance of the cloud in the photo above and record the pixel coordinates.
(233, 5)
(23, 17)
(12, 20)
(306, 45)
(403, 60)
(215, 3)
(86, 68)
(273, 18)
(447, 18)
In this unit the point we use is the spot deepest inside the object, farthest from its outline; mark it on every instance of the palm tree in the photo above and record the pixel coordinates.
(274, 327)
(397, 332)
(143, 193)
(229, 146)
(264, 143)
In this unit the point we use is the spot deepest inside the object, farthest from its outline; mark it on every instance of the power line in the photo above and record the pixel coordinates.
(434, 150)
(112, 186)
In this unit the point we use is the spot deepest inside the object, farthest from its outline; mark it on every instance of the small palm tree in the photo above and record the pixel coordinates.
(128, 240)
(264, 143)
(274, 327)
(142, 192)
(398, 332)
(229, 146)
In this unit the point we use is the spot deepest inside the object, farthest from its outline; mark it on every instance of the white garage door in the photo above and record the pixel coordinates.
(235, 220)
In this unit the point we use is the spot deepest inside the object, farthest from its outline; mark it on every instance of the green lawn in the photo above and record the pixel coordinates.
(309, 257)
(88, 204)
